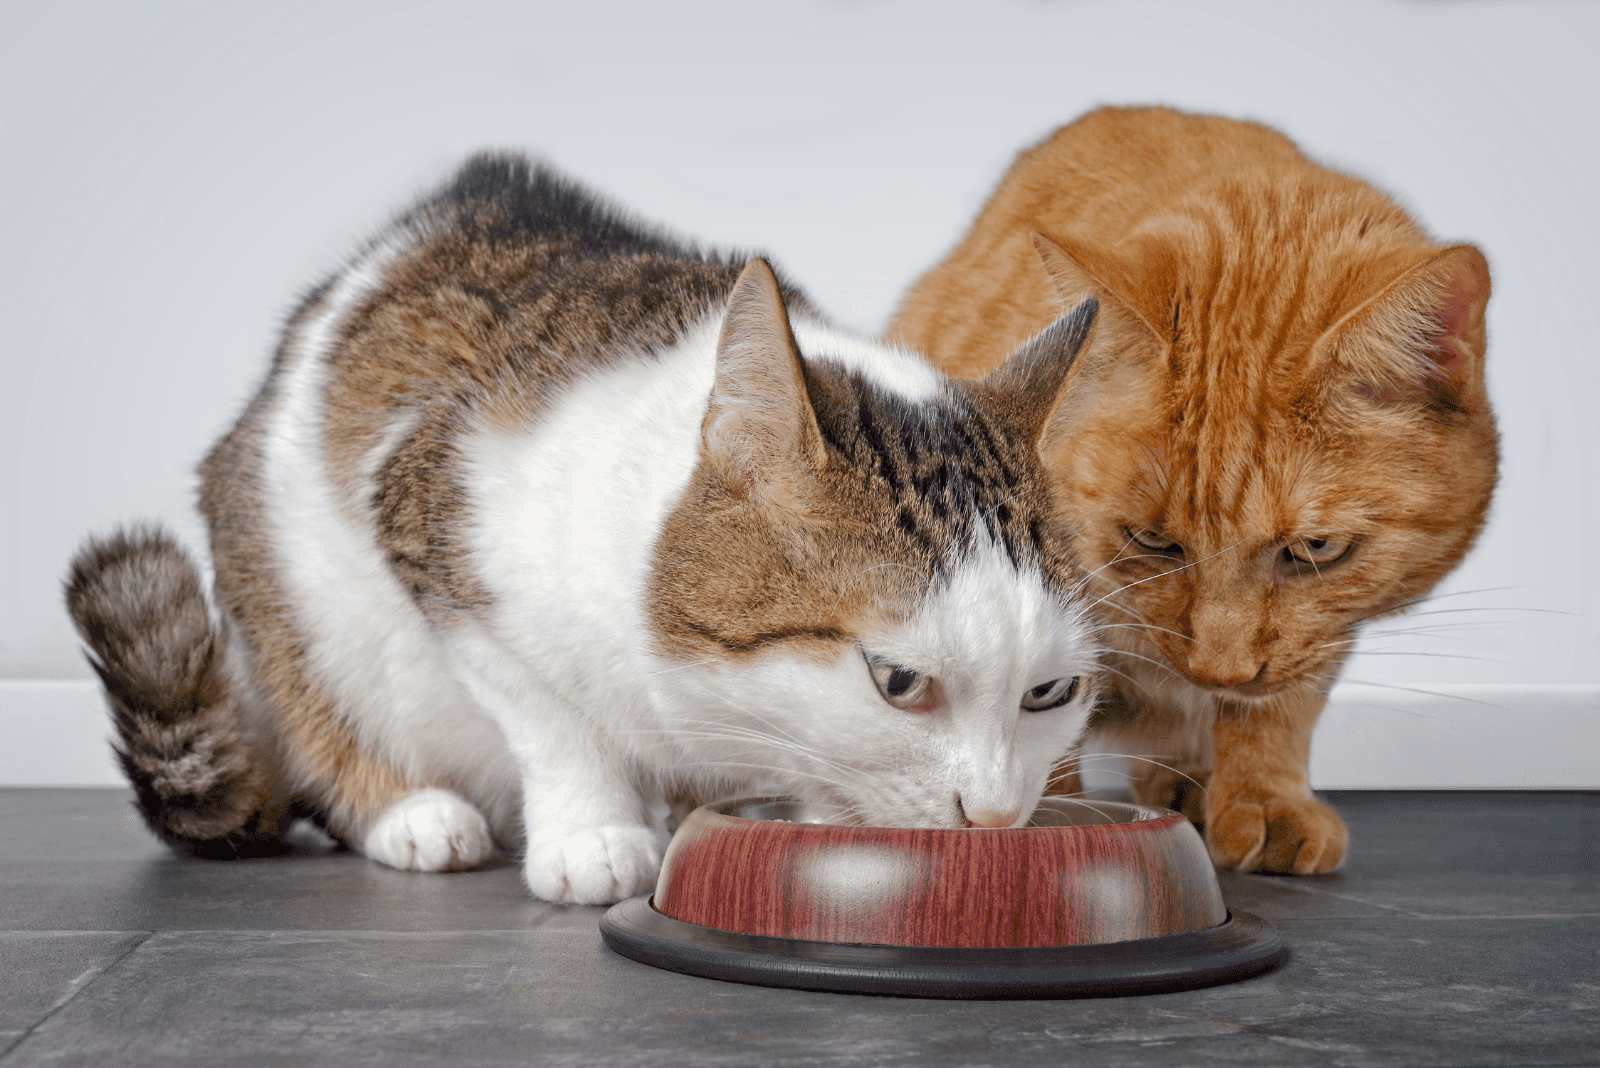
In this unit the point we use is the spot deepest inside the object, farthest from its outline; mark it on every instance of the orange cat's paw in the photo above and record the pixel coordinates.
(1289, 836)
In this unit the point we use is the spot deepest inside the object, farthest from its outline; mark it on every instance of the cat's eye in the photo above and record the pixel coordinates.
(1051, 694)
(1307, 554)
(1156, 543)
(900, 686)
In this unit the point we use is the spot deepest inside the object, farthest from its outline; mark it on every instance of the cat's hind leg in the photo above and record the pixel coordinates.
(429, 830)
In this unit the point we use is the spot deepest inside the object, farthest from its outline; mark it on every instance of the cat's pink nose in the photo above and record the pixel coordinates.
(987, 817)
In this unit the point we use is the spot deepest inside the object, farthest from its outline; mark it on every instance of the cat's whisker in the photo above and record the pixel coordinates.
(749, 712)
(1402, 606)
(1439, 656)
(799, 744)
(777, 770)
(1463, 611)
(1174, 571)
(1424, 692)
(1123, 675)
(786, 744)
(730, 733)
(1119, 558)
(1174, 672)
(625, 681)
(1083, 802)
(1139, 624)
(1145, 626)
(717, 736)
(1439, 628)
(1155, 763)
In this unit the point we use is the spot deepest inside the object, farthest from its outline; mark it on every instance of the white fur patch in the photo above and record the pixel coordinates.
(894, 369)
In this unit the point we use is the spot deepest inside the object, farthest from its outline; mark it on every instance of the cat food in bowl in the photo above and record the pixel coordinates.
(1090, 898)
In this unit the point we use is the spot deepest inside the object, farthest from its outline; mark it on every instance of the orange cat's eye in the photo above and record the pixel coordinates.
(1308, 553)
(1156, 543)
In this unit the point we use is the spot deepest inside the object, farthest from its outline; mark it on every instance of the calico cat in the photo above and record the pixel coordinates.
(1295, 438)
(542, 515)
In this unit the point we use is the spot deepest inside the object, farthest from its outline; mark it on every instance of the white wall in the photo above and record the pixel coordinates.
(175, 174)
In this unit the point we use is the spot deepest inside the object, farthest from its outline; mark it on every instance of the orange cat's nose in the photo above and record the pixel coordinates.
(1229, 681)
(1227, 676)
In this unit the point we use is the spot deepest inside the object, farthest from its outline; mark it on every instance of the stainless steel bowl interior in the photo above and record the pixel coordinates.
(1052, 811)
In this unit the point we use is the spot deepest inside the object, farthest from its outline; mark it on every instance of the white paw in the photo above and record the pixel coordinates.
(598, 867)
(430, 830)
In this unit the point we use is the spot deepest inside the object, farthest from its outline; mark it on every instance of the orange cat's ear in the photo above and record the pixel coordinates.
(1032, 382)
(1422, 339)
(759, 430)
(1074, 283)
(1120, 364)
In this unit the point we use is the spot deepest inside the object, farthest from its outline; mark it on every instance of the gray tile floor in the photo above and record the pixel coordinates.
(1465, 930)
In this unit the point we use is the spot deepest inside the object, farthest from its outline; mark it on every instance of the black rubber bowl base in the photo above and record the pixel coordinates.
(1242, 946)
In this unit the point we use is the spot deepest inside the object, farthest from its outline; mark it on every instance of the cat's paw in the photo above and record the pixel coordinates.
(430, 830)
(599, 866)
(1288, 836)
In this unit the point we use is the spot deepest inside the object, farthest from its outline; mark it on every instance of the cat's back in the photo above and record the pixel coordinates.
(509, 279)
(481, 305)
(1115, 167)
(1149, 201)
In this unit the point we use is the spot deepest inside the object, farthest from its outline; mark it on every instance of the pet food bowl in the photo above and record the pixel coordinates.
(1092, 898)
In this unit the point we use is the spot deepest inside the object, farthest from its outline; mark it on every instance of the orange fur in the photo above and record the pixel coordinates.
(1284, 355)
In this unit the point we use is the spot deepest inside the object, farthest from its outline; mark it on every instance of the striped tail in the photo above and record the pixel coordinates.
(136, 599)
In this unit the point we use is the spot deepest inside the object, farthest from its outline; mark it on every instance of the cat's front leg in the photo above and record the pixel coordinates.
(587, 839)
(1260, 814)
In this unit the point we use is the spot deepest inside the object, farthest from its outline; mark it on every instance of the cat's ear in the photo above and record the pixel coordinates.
(1118, 364)
(1030, 385)
(1074, 283)
(1421, 340)
(760, 432)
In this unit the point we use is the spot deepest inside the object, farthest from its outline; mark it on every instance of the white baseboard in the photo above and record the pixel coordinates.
(55, 733)
(1477, 737)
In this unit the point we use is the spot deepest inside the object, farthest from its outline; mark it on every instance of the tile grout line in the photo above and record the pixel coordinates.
(1392, 909)
(78, 987)
(1317, 891)
(1429, 917)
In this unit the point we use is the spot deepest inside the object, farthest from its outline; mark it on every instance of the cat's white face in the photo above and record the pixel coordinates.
(952, 716)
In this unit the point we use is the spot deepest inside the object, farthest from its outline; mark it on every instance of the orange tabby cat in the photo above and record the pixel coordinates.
(1291, 438)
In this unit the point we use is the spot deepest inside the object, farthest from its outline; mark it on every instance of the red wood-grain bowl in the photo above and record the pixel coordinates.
(1082, 873)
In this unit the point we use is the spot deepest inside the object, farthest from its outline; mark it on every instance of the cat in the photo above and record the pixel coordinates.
(1295, 436)
(543, 517)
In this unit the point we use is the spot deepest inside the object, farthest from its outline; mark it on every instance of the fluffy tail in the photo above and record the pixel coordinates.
(136, 599)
